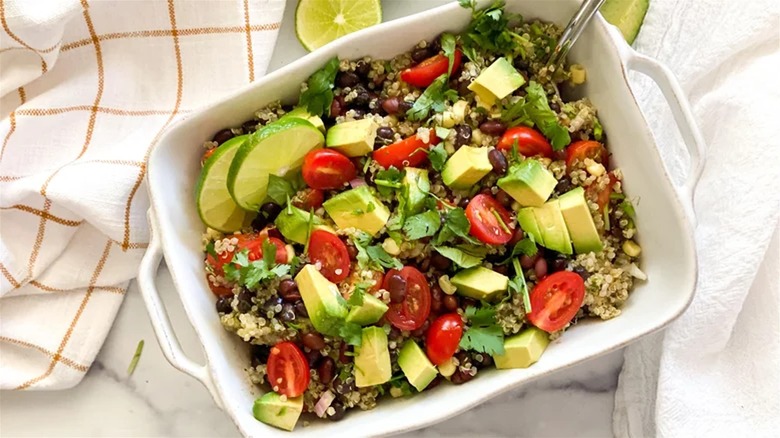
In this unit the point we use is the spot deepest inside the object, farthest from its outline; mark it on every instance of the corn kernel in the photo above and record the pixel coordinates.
(577, 74)
(396, 392)
(446, 286)
(447, 368)
(448, 119)
(631, 248)
(476, 137)
(449, 147)
(459, 111)
(391, 247)
(595, 169)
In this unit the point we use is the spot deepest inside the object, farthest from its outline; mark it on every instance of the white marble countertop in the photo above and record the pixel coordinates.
(157, 400)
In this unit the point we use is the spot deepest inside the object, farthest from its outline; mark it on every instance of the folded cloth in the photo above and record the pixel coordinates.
(714, 372)
(86, 90)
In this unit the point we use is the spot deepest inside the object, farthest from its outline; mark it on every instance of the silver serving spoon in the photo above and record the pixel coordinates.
(573, 30)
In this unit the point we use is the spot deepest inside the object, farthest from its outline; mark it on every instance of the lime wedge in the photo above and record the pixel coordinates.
(627, 15)
(318, 22)
(215, 206)
(277, 148)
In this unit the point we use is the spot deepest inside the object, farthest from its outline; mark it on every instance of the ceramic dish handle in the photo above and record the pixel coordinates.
(161, 324)
(683, 116)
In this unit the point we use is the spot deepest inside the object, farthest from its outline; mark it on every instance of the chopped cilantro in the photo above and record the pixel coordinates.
(527, 246)
(422, 225)
(210, 249)
(309, 227)
(448, 47)
(489, 32)
(628, 208)
(518, 285)
(279, 189)
(373, 256)
(351, 333)
(433, 98)
(269, 253)
(598, 130)
(534, 109)
(250, 274)
(483, 334)
(319, 94)
(388, 180)
(356, 299)
(442, 132)
(378, 255)
(437, 155)
(459, 257)
(456, 224)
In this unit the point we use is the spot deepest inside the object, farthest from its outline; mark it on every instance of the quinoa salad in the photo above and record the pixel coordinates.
(411, 222)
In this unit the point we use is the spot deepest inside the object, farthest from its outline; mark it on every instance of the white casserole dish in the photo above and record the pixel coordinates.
(665, 221)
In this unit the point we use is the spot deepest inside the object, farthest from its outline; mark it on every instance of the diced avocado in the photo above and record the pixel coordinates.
(416, 366)
(527, 220)
(353, 139)
(293, 223)
(302, 113)
(367, 313)
(414, 189)
(275, 411)
(497, 81)
(579, 221)
(529, 183)
(552, 226)
(522, 350)
(357, 208)
(372, 358)
(466, 167)
(324, 303)
(480, 283)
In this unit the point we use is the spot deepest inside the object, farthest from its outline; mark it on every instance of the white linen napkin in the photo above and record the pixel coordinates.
(86, 89)
(716, 371)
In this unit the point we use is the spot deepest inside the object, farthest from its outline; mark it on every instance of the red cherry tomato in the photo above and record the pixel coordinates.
(330, 252)
(555, 300)
(207, 155)
(407, 152)
(485, 226)
(411, 313)
(356, 277)
(288, 371)
(327, 169)
(424, 73)
(251, 242)
(530, 142)
(308, 199)
(580, 150)
(219, 290)
(443, 338)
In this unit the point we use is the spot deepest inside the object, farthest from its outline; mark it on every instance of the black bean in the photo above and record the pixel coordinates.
(528, 262)
(540, 267)
(460, 377)
(504, 199)
(462, 135)
(358, 113)
(519, 233)
(259, 222)
(395, 334)
(288, 313)
(325, 370)
(270, 304)
(351, 250)
(270, 210)
(396, 285)
(261, 353)
(288, 290)
(223, 304)
(347, 79)
(343, 388)
(313, 340)
(464, 202)
(436, 298)
(391, 105)
(337, 107)
(338, 411)
(300, 309)
(244, 301)
(501, 269)
(362, 97)
(222, 136)
(582, 272)
(492, 127)
(481, 360)
(420, 332)
(362, 68)
(498, 161)
(404, 106)
(420, 54)
(249, 126)
(385, 132)
(450, 302)
(440, 262)
(312, 357)
(563, 186)
(559, 265)
(343, 350)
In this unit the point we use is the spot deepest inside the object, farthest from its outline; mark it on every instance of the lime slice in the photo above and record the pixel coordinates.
(215, 206)
(627, 15)
(318, 22)
(277, 148)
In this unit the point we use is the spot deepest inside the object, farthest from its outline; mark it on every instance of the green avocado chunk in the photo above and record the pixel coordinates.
(480, 283)
(293, 223)
(466, 167)
(497, 81)
(302, 113)
(367, 313)
(529, 183)
(522, 350)
(353, 139)
(324, 303)
(278, 410)
(358, 208)
(527, 221)
(372, 358)
(553, 227)
(414, 189)
(579, 221)
(415, 364)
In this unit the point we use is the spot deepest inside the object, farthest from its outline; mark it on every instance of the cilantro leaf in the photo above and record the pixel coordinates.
(468, 4)
(628, 208)
(438, 156)
(518, 285)
(351, 333)
(433, 98)
(250, 274)
(356, 299)
(483, 335)
(210, 249)
(319, 95)
(269, 253)
(459, 257)
(422, 225)
(544, 117)
(527, 246)
(485, 315)
(279, 189)
(388, 180)
(448, 46)
(378, 255)
(489, 32)
(455, 224)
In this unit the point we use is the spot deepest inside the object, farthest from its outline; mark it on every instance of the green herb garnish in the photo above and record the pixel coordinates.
(459, 257)
(422, 225)
(438, 156)
(448, 47)
(518, 285)
(484, 334)
(434, 98)
(319, 94)
(136, 357)
(250, 274)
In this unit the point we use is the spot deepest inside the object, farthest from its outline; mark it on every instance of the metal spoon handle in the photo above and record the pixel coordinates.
(573, 30)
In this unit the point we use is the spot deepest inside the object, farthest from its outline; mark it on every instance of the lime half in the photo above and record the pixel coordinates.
(277, 148)
(215, 206)
(318, 22)
(627, 15)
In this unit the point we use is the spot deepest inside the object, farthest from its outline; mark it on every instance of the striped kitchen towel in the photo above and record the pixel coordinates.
(86, 89)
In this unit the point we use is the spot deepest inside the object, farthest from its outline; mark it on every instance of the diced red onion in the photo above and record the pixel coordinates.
(357, 182)
(324, 403)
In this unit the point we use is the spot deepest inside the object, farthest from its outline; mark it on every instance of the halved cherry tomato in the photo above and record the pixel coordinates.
(601, 196)
(555, 300)
(530, 142)
(327, 250)
(206, 155)
(411, 313)
(327, 169)
(407, 152)
(424, 73)
(580, 150)
(219, 290)
(356, 276)
(251, 242)
(443, 338)
(482, 213)
(308, 199)
(288, 370)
